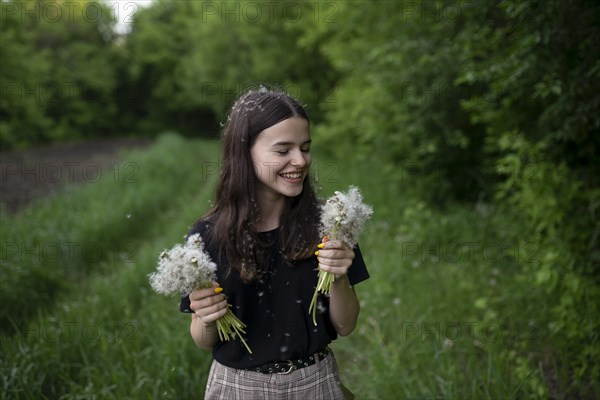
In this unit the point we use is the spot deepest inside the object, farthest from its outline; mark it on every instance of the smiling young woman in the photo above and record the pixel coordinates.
(281, 158)
(262, 233)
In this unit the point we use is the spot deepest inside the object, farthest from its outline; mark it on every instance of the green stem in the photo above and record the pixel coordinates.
(229, 326)
(312, 308)
(324, 282)
(323, 286)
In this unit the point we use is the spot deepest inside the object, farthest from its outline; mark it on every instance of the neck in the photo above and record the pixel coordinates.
(270, 211)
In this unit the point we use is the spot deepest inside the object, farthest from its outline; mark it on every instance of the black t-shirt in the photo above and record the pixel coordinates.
(275, 307)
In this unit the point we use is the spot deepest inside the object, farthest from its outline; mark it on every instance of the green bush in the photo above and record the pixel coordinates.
(495, 104)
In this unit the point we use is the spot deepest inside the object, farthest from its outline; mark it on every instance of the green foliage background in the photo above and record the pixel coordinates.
(486, 106)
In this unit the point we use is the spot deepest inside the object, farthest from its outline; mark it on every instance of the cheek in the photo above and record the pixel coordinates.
(256, 163)
(256, 170)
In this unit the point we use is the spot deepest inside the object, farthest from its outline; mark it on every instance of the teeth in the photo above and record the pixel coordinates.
(293, 175)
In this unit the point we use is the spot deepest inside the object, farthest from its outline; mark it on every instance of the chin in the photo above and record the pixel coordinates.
(293, 192)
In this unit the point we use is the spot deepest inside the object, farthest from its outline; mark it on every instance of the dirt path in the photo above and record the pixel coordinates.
(29, 174)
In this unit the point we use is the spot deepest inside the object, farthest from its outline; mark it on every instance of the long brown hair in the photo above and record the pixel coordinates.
(235, 212)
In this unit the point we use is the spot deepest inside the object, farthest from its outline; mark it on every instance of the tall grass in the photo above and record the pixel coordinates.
(54, 243)
(113, 338)
(443, 315)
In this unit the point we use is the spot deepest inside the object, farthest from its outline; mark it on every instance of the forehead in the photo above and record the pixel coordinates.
(292, 130)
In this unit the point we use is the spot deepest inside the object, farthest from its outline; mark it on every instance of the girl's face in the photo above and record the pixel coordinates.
(281, 158)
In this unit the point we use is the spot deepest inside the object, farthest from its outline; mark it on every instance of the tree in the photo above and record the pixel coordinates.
(57, 75)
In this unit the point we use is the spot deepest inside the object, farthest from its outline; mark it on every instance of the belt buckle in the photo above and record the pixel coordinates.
(292, 368)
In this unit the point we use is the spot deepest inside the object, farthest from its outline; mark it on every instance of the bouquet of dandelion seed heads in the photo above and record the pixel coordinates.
(185, 268)
(342, 218)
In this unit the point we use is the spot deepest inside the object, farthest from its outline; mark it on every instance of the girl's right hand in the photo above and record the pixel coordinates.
(208, 304)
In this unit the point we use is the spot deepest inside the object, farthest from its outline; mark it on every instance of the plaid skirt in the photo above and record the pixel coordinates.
(318, 381)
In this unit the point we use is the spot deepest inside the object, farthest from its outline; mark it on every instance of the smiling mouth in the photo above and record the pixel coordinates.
(292, 175)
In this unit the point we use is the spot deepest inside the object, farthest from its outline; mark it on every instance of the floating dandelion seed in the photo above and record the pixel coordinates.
(322, 309)
(448, 343)
(342, 218)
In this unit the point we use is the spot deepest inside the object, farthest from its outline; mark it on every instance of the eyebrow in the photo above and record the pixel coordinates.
(290, 143)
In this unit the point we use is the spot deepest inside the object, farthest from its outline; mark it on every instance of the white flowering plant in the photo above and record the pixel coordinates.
(186, 267)
(342, 218)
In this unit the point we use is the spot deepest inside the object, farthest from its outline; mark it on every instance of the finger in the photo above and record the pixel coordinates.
(335, 270)
(217, 287)
(335, 244)
(336, 254)
(212, 317)
(326, 254)
(336, 264)
(208, 301)
(202, 293)
(208, 309)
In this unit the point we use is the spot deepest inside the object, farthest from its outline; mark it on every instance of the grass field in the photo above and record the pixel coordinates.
(444, 314)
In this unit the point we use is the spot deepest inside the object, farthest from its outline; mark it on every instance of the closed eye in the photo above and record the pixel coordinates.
(284, 152)
(285, 147)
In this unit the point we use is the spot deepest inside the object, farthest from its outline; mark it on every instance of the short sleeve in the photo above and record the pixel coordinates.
(184, 304)
(358, 270)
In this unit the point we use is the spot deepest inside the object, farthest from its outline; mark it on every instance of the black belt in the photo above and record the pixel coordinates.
(285, 367)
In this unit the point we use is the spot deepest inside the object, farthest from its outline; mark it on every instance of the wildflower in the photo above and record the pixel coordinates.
(187, 267)
(342, 218)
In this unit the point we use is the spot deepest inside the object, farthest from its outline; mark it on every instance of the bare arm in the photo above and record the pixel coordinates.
(336, 257)
(343, 306)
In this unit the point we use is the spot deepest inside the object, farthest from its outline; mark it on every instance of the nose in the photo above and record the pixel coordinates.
(299, 160)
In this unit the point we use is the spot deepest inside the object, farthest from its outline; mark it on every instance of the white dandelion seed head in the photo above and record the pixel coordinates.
(183, 268)
(343, 216)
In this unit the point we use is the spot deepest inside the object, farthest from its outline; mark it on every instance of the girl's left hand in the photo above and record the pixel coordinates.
(335, 257)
